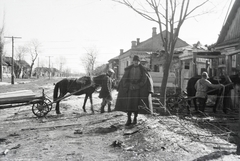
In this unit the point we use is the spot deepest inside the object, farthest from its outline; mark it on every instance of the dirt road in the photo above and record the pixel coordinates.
(75, 135)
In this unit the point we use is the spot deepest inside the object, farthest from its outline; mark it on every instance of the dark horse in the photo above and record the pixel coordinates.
(229, 83)
(85, 84)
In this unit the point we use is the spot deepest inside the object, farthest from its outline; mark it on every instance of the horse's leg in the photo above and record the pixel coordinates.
(84, 103)
(90, 96)
(57, 108)
(189, 104)
(58, 102)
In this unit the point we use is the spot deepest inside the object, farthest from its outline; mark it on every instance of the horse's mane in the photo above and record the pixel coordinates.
(98, 79)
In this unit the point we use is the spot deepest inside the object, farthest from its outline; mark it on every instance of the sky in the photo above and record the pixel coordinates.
(67, 29)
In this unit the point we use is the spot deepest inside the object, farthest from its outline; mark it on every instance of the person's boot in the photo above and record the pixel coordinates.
(109, 108)
(135, 118)
(129, 121)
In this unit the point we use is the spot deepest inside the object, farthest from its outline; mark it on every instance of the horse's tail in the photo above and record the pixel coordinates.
(55, 91)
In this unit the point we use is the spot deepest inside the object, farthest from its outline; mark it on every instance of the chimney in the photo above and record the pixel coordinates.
(154, 31)
(138, 41)
(133, 44)
(121, 51)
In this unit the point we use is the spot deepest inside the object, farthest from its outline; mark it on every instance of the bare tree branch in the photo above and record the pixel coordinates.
(89, 60)
(34, 49)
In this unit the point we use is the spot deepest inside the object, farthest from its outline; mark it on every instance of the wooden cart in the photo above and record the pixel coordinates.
(41, 105)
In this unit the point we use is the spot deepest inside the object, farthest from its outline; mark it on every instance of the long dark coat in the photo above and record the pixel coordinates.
(143, 93)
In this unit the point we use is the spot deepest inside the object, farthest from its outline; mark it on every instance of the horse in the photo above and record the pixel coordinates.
(84, 85)
(229, 83)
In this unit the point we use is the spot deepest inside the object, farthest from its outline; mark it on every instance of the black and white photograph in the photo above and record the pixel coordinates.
(119, 80)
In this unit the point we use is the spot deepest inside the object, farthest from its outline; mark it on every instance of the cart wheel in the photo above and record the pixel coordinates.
(49, 102)
(176, 104)
(40, 109)
(171, 104)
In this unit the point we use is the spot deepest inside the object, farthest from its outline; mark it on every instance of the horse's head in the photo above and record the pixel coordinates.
(235, 79)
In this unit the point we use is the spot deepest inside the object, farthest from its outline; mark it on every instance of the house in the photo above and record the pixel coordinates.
(228, 42)
(6, 70)
(149, 52)
(23, 69)
(7, 67)
(46, 72)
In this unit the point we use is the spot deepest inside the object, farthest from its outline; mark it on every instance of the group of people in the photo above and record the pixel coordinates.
(135, 89)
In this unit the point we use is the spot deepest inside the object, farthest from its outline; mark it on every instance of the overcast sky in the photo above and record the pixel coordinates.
(67, 28)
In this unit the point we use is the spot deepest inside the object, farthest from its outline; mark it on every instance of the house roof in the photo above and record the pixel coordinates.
(113, 59)
(152, 44)
(233, 23)
(4, 63)
(23, 63)
(7, 60)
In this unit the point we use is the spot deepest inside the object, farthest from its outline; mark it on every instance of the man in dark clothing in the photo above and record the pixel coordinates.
(106, 90)
(135, 89)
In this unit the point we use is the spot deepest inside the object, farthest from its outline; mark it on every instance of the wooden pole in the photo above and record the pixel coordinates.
(12, 68)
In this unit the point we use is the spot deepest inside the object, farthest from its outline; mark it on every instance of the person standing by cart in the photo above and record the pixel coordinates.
(201, 87)
(106, 91)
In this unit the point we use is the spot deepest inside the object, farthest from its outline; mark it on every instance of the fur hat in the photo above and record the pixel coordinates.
(136, 58)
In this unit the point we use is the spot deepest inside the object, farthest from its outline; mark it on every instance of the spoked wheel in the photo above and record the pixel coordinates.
(171, 104)
(40, 109)
(49, 102)
(176, 104)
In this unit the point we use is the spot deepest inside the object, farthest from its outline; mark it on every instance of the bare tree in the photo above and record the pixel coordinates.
(34, 49)
(170, 16)
(89, 60)
(19, 56)
(61, 61)
(20, 52)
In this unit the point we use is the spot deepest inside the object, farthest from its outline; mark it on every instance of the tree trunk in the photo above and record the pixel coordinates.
(164, 86)
(31, 68)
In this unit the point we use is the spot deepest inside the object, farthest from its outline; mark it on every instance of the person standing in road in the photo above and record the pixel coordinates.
(106, 91)
(201, 87)
(135, 88)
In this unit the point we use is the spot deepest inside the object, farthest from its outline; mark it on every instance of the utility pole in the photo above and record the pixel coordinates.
(49, 67)
(12, 68)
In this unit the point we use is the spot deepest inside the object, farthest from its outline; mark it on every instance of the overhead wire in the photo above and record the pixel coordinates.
(227, 13)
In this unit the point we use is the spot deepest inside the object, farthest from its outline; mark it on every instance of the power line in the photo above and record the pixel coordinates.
(227, 13)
